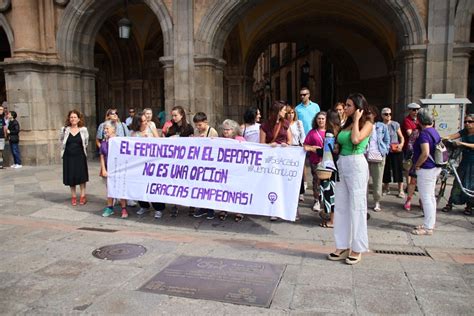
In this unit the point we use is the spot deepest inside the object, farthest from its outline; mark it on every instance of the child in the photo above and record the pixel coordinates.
(109, 130)
(200, 121)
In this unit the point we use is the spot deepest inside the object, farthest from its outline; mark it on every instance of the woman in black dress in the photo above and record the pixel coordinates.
(74, 138)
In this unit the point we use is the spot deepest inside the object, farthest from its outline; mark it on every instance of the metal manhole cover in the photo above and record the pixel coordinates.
(119, 252)
(218, 279)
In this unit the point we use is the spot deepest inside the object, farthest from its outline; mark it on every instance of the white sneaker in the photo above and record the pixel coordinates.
(377, 207)
(385, 192)
(13, 166)
(305, 185)
(316, 206)
(158, 214)
(18, 166)
(142, 211)
(131, 203)
(301, 197)
(401, 194)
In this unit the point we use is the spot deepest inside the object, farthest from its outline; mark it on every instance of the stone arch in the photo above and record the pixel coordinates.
(81, 22)
(219, 22)
(8, 31)
(462, 22)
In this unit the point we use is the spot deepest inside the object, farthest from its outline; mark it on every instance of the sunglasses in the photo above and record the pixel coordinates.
(387, 114)
(468, 122)
(303, 94)
(415, 110)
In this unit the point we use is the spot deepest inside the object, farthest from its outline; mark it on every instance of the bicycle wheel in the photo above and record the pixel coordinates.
(442, 188)
(442, 181)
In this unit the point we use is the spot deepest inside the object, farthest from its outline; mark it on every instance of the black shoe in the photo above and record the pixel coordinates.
(174, 212)
(210, 214)
(199, 212)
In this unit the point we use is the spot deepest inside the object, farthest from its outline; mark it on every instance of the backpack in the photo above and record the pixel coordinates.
(441, 155)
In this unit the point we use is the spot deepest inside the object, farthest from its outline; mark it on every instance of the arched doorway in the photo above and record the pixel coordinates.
(349, 46)
(129, 72)
(114, 72)
(5, 52)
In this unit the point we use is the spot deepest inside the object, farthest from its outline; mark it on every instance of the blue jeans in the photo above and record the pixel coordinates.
(15, 148)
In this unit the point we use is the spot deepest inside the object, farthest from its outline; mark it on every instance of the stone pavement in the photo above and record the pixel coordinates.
(46, 266)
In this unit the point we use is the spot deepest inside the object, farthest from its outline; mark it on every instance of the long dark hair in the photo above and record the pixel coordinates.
(137, 121)
(175, 128)
(333, 122)
(276, 108)
(360, 103)
(250, 115)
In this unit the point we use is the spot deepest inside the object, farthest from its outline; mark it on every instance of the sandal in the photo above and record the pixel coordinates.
(353, 260)
(74, 201)
(341, 256)
(222, 216)
(238, 218)
(82, 200)
(422, 232)
(447, 208)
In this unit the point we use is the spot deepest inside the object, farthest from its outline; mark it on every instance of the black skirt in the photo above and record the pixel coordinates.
(75, 169)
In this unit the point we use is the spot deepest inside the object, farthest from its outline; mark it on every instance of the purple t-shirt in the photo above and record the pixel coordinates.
(104, 150)
(315, 138)
(428, 135)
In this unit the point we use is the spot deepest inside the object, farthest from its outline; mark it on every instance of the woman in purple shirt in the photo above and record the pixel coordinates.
(426, 170)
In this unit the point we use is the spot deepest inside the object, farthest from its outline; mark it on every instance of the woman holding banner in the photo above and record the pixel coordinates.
(141, 128)
(109, 132)
(275, 131)
(179, 128)
(231, 129)
(350, 222)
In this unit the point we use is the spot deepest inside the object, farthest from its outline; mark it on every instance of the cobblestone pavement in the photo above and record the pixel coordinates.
(46, 264)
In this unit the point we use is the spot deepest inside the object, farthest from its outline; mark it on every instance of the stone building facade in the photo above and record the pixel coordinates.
(216, 56)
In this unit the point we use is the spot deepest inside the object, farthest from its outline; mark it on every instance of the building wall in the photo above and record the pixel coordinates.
(423, 45)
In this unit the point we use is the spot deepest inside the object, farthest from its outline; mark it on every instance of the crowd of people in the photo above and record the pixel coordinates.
(345, 146)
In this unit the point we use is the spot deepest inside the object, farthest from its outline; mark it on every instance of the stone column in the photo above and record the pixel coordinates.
(42, 93)
(461, 55)
(25, 22)
(183, 20)
(411, 62)
(208, 79)
(168, 72)
(440, 46)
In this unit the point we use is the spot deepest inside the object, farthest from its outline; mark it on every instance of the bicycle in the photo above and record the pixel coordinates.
(451, 170)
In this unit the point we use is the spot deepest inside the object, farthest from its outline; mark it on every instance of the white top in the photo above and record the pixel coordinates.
(297, 133)
(251, 133)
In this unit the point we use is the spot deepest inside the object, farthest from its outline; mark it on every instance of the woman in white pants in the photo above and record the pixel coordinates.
(350, 215)
(426, 170)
